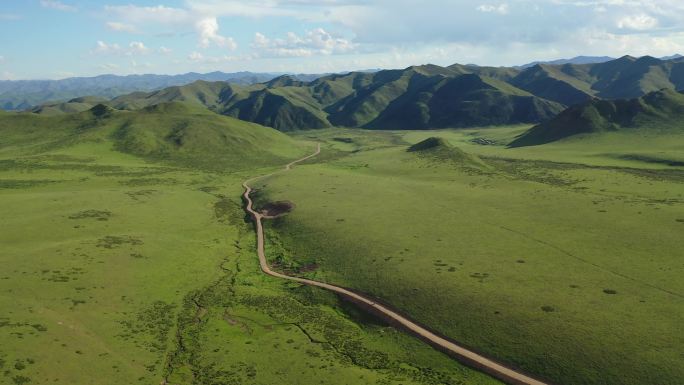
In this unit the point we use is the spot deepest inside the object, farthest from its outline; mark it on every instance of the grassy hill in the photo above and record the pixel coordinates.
(562, 259)
(178, 133)
(656, 112)
(440, 150)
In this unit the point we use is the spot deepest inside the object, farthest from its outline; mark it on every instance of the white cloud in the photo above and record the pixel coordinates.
(104, 48)
(501, 9)
(195, 56)
(395, 33)
(137, 47)
(57, 5)
(134, 48)
(159, 14)
(121, 27)
(164, 51)
(243, 8)
(205, 24)
(315, 42)
(208, 30)
(637, 22)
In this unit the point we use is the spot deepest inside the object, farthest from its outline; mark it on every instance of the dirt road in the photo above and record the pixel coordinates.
(461, 353)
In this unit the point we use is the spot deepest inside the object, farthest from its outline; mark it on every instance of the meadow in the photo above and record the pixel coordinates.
(564, 260)
(127, 259)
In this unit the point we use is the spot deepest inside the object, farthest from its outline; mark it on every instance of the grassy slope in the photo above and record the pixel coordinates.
(567, 270)
(465, 100)
(177, 133)
(654, 114)
(552, 83)
(119, 269)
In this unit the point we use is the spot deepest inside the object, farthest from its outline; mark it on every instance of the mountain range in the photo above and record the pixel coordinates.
(586, 60)
(25, 94)
(417, 97)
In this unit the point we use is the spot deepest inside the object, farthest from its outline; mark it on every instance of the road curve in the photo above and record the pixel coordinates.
(461, 353)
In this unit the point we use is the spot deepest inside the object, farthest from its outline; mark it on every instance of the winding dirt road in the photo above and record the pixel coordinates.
(461, 353)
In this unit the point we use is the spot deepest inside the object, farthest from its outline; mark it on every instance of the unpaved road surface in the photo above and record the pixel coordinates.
(459, 352)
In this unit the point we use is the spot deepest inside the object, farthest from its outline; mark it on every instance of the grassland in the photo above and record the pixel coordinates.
(564, 259)
(126, 259)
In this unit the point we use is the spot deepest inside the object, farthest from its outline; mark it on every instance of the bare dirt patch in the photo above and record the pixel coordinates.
(276, 209)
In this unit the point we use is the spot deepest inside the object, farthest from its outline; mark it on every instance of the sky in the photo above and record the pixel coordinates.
(53, 39)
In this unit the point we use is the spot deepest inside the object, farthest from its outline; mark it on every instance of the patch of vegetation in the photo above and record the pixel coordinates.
(114, 241)
(24, 184)
(100, 215)
(154, 323)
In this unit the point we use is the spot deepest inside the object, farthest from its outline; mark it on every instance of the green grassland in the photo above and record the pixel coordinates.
(564, 259)
(126, 259)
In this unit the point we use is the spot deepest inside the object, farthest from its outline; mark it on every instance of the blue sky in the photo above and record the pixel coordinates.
(63, 38)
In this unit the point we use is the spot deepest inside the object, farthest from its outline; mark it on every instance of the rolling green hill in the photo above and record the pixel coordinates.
(441, 151)
(660, 111)
(177, 133)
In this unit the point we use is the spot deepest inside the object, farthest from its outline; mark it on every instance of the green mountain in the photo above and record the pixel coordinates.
(561, 84)
(414, 98)
(177, 133)
(417, 97)
(623, 78)
(463, 101)
(660, 111)
(74, 105)
(26, 94)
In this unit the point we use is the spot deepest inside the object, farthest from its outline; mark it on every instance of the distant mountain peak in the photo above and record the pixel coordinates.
(574, 60)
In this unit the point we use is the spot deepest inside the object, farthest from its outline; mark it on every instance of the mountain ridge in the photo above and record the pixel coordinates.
(661, 111)
(26, 94)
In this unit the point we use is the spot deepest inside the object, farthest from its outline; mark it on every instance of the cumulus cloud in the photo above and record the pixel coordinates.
(137, 47)
(57, 5)
(195, 56)
(164, 51)
(637, 22)
(534, 29)
(501, 9)
(315, 42)
(208, 30)
(133, 48)
(206, 25)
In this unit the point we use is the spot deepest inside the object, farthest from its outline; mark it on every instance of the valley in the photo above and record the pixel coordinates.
(527, 219)
(514, 252)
